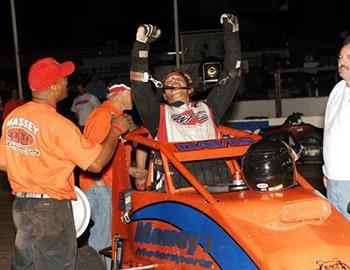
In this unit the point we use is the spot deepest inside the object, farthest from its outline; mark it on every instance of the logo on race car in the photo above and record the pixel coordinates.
(186, 241)
(146, 233)
(211, 144)
(262, 185)
(334, 264)
(187, 234)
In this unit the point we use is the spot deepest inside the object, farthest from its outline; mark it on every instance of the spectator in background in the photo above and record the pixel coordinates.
(97, 88)
(12, 103)
(83, 104)
(98, 187)
(336, 143)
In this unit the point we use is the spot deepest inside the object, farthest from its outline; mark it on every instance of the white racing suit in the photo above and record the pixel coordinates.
(182, 123)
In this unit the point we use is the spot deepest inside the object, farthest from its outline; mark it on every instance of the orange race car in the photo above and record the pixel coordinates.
(198, 213)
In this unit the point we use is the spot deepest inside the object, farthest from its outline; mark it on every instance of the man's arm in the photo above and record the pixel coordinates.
(143, 96)
(119, 126)
(220, 98)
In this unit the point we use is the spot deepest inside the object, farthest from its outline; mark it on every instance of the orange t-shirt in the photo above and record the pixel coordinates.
(97, 127)
(10, 106)
(40, 149)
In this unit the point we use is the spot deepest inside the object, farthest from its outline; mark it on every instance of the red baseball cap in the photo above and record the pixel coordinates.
(46, 71)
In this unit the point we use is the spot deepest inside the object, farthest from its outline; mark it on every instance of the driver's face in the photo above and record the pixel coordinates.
(175, 80)
(178, 91)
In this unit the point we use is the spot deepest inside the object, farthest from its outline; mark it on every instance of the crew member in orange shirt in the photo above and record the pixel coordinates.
(12, 103)
(98, 187)
(39, 149)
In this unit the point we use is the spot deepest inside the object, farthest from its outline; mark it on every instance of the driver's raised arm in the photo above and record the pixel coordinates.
(220, 98)
(143, 96)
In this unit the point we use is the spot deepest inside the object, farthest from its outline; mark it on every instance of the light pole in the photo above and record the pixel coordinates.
(176, 29)
(15, 38)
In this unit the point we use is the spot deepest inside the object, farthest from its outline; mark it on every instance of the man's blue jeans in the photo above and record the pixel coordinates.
(338, 193)
(100, 199)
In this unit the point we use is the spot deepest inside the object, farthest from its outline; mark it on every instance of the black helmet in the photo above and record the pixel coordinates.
(269, 166)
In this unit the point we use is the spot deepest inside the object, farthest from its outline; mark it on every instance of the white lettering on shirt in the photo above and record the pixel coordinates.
(24, 123)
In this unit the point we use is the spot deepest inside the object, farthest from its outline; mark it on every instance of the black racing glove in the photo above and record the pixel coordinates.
(232, 44)
(146, 33)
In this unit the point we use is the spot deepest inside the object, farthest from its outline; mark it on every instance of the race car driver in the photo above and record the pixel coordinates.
(181, 119)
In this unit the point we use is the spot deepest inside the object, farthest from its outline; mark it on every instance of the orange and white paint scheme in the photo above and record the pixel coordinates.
(203, 223)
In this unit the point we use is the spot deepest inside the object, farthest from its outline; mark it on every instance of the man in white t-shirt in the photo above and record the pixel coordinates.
(83, 104)
(336, 143)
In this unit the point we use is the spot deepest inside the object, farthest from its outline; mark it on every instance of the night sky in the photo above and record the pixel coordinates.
(66, 24)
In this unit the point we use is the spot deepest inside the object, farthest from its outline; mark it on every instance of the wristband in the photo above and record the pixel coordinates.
(139, 76)
(143, 54)
(117, 128)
